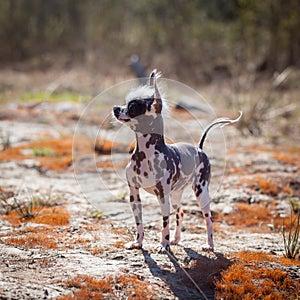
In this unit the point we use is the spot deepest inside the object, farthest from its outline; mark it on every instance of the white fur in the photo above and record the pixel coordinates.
(141, 92)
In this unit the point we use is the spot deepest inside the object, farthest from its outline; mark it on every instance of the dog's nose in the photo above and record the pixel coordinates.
(117, 111)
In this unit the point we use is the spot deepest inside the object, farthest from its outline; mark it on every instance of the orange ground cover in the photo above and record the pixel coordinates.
(252, 276)
(261, 217)
(56, 154)
(52, 154)
(33, 240)
(89, 287)
(54, 216)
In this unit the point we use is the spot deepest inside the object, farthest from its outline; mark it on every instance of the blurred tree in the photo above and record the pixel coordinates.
(194, 34)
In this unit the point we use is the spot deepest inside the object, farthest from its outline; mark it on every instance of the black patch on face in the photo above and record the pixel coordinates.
(138, 107)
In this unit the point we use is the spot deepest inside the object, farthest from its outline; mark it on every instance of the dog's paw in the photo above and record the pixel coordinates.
(207, 248)
(164, 249)
(133, 245)
(175, 241)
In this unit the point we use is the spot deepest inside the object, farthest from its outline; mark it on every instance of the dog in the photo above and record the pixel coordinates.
(161, 169)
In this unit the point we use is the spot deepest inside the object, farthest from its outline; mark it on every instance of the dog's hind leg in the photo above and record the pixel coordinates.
(202, 196)
(176, 203)
(136, 206)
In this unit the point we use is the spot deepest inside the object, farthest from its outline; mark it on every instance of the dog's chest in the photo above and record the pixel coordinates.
(150, 166)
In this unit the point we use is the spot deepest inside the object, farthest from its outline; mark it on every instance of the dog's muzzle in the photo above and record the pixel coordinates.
(117, 111)
(120, 114)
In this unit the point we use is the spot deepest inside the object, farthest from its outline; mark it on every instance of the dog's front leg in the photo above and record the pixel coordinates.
(165, 233)
(136, 206)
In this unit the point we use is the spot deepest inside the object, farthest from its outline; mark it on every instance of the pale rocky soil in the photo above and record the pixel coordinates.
(95, 247)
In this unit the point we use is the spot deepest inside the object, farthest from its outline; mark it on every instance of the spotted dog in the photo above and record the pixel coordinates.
(161, 169)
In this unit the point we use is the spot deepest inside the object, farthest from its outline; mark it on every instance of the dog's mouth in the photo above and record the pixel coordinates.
(120, 114)
(123, 120)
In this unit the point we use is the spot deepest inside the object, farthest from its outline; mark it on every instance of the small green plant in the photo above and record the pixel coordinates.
(26, 208)
(42, 152)
(47, 199)
(97, 214)
(291, 238)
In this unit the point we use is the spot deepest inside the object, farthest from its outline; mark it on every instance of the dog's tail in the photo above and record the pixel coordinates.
(222, 121)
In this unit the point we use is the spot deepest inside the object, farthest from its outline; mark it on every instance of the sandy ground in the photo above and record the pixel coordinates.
(38, 259)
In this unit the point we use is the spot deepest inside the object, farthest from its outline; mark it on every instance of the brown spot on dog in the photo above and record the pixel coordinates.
(159, 190)
(165, 221)
(157, 140)
(205, 171)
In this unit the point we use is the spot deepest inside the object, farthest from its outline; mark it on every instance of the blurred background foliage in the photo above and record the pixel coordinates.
(193, 38)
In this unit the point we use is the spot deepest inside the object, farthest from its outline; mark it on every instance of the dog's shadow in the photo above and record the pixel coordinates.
(193, 280)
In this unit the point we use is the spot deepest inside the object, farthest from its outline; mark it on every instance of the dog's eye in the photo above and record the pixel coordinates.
(136, 108)
(132, 107)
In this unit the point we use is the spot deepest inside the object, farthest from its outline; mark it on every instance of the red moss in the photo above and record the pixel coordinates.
(58, 156)
(88, 287)
(54, 216)
(253, 216)
(33, 240)
(250, 277)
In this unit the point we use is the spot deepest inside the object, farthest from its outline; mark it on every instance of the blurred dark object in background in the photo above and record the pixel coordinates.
(138, 68)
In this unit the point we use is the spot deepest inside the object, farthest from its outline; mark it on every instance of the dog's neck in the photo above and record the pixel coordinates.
(151, 133)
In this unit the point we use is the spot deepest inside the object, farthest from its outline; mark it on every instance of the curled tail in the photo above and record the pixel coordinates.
(223, 121)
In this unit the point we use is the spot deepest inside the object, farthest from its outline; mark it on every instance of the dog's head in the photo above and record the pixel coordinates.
(143, 106)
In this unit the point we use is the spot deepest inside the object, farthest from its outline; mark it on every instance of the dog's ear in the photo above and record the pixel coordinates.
(157, 104)
(151, 77)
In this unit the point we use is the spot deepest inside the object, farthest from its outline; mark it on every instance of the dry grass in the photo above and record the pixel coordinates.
(88, 287)
(289, 156)
(56, 154)
(251, 256)
(258, 218)
(52, 154)
(53, 216)
(254, 217)
(272, 186)
(250, 277)
(33, 240)
(265, 185)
